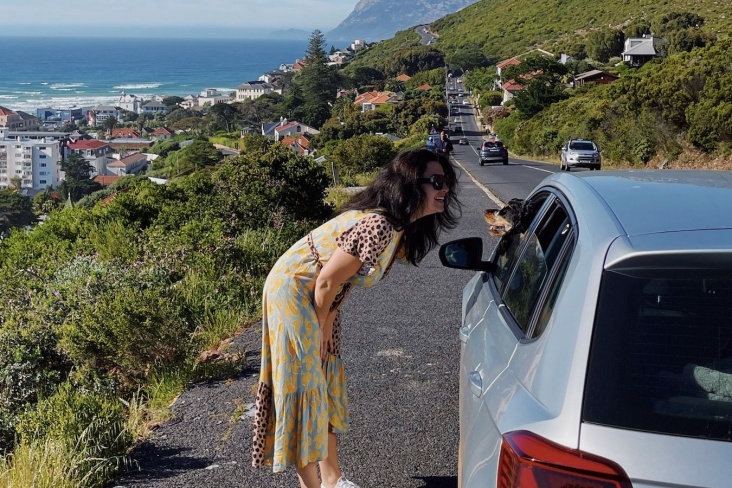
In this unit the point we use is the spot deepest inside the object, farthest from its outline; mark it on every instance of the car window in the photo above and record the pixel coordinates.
(661, 354)
(582, 146)
(535, 264)
(487, 145)
(510, 246)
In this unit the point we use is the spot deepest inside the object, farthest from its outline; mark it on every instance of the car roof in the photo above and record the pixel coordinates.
(655, 201)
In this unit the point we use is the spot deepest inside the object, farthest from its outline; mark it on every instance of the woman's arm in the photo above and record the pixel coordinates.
(336, 271)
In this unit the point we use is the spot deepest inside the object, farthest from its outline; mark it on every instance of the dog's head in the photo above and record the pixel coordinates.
(501, 221)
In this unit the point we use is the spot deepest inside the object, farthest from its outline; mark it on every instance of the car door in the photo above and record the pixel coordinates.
(488, 342)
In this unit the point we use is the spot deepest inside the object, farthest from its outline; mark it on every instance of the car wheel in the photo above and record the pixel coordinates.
(480, 162)
(505, 161)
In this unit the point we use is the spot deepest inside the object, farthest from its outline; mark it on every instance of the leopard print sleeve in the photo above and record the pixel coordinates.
(366, 240)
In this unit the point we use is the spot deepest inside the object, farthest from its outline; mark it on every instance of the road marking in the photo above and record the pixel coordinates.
(480, 185)
(537, 169)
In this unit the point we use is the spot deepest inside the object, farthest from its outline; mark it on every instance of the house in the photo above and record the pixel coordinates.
(344, 93)
(97, 153)
(357, 45)
(161, 134)
(35, 161)
(189, 101)
(154, 107)
(57, 116)
(640, 50)
(106, 180)
(125, 132)
(298, 65)
(98, 114)
(424, 87)
(211, 96)
(130, 143)
(252, 90)
(284, 128)
(371, 100)
(9, 119)
(403, 77)
(129, 102)
(132, 164)
(299, 144)
(510, 89)
(599, 77)
(500, 66)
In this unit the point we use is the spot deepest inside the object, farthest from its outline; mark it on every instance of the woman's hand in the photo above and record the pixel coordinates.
(326, 342)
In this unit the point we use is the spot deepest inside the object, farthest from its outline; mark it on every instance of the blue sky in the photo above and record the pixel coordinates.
(216, 18)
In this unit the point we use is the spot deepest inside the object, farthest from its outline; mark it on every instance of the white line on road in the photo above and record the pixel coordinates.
(480, 185)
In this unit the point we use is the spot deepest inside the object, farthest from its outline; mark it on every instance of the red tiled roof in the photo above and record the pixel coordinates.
(286, 126)
(162, 131)
(90, 144)
(508, 62)
(6, 111)
(403, 77)
(125, 132)
(424, 87)
(512, 86)
(106, 180)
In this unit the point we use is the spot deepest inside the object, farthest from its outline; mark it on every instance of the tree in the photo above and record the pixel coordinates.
(198, 154)
(172, 101)
(76, 183)
(361, 154)
(15, 210)
(317, 82)
(223, 117)
(604, 44)
(110, 123)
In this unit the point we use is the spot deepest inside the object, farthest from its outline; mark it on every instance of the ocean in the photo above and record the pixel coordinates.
(64, 72)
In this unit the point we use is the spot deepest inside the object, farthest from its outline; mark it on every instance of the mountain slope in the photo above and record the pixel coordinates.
(374, 20)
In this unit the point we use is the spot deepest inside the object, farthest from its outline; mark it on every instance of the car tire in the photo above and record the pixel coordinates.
(481, 162)
(505, 161)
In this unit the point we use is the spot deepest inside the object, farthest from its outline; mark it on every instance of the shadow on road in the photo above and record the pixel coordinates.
(437, 481)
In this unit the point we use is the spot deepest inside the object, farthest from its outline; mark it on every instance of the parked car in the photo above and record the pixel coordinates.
(466, 101)
(493, 150)
(596, 342)
(580, 153)
(463, 141)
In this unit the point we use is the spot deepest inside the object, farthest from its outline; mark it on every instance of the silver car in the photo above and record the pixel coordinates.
(580, 153)
(597, 339)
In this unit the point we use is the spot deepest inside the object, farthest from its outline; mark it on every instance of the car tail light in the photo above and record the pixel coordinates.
(530, 461)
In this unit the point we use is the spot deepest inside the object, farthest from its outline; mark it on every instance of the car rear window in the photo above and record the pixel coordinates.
(582, 146)
(487, 145)
(661, 355)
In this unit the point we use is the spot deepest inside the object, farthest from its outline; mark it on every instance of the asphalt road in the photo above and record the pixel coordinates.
(400, 352)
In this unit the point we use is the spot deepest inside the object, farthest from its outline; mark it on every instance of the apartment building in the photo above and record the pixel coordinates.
(36, 162)
(97, 153)
(252, 90)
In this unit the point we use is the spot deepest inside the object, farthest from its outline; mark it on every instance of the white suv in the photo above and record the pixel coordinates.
(580, 153)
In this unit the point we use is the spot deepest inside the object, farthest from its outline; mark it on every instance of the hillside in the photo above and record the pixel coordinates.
(504, 28)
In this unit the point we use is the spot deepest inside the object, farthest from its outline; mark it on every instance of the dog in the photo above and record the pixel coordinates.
(510, 221)
(514, 217)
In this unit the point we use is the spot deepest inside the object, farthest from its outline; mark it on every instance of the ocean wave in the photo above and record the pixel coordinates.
(25, 83)
(8, 97)
(66, 86)
(31, 104)
(35, 93)
(138, 86)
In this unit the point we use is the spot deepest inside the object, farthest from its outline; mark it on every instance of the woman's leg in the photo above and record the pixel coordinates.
(330, 469)
(308, 476)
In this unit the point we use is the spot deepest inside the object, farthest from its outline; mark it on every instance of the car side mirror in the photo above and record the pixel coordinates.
(465, 254)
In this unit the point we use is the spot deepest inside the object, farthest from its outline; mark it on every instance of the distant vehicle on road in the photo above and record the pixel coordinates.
(466, 102)
(580, 153)
(493, 150)
(463, 141)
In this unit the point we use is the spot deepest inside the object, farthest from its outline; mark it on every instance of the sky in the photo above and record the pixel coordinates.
(169, 18)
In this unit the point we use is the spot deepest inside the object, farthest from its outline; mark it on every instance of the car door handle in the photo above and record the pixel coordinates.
(476, 383)
(463, 333)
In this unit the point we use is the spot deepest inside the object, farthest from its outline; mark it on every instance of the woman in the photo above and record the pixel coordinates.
(301, 400)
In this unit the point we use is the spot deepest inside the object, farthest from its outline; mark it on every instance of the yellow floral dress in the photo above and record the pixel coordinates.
(299, 395)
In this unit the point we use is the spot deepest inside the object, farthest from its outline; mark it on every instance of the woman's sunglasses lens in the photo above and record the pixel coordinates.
(438, 181)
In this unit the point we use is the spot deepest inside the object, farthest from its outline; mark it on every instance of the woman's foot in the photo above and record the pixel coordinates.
(343, 483)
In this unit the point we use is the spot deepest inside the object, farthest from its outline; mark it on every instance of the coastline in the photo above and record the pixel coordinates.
(42, 75)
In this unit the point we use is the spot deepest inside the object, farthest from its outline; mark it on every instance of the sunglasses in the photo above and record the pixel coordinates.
(437, 181)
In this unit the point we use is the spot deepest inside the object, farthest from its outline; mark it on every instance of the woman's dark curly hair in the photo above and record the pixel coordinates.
(397, 194)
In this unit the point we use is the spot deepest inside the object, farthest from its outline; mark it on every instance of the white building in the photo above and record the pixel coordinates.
(129, 102)
(97, 153)
(35, 161)
(211, 96)
(252, 90)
